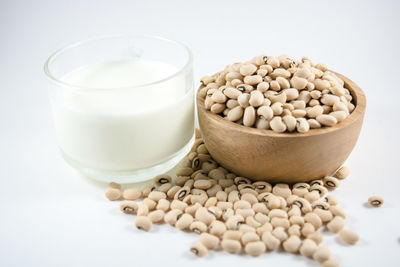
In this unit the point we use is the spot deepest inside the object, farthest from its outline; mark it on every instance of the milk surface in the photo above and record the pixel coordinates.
(118, 127)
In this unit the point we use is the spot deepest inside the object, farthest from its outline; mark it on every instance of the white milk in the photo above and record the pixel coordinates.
(126, 128)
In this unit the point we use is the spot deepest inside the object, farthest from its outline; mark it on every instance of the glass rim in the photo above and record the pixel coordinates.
(58, 52)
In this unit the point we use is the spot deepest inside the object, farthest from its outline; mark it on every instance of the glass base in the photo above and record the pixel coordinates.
(134, 176)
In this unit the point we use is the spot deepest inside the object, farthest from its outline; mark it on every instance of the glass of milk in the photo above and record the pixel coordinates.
(123, 106)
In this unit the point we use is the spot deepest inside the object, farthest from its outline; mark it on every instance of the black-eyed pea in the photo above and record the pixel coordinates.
(300, 192)
(315, 111)
(232, 235)
(277, 213)
(316, 237)
(143, 210)
(280, 222)
(348, 237)
(296, 220)
(252, 79)
(331, 182)
(331, 263)
(202, 214)
(128, 207)
(186, 171)
(261, 218)
(241, 204)
(282, 190)
(230, 104)
(327, 110)
(205, 80)
(250, 220)
(217, 212)
(262, 186)
(263, 87)
(303, 204)
(280, 72)
(216, 174)
(230, 189)
(172, 216)
(234, 222)
(266, 227)
(265, 112)
(336, 224)
(277, 125)
(181, 180)
(178, 204)
(298, 82)
(162, 179)
(231, 246)
(235, 113)
(273, 202)
(221, 196)
(241, 187)
(211, 192)
(319, 188)
(322, 254)
(290, 122)
(255, 248)
(218, 108)
(283, 83)
(235, 82)
(326, 120)
(375, 201)
(314, 219)
(184, 221)
(290, 200)
(329, 99)
(157, 195)
(280, 233)
(292, 244)
(199, 250)
(331, 200)
(156, 216)
(320, 204)
(308, 247)
(164, 187)
(339, 115)
(314, 124)
(151, 204)
(312, 196)
(336, 211)
(245, 212)
(307, 229)
(208, 240)
(260, 208)
(274, 85)
(250, 191)
(249, 197)
(182, 193)
(217, 228)
(270, 241)
(249, 116)
(256, 99)
(212, 201)
(226, 214)
(143, 223)
(249, 237)
(163, 205)
(208, 165)
(224, 183)
(233, 75)
(189, 183)
(114, 185)
(321, 84)
(113, 193)
(233, 196)
(273, 62)
(342, 172)
(224, 205)
(247, 69)
(201, 199)
(302, 125)
(203, 184)
(192, 209)
(340, 106)
(325, 215)
(295, 230)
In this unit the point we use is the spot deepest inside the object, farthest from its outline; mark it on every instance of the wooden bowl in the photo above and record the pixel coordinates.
(282, 157)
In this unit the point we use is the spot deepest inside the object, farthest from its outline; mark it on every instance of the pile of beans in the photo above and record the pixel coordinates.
(278, 93)
(236, 214)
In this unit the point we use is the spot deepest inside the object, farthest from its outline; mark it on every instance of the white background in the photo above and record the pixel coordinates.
(51, 217)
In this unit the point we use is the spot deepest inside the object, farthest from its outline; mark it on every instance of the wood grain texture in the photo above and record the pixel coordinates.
(282, 157)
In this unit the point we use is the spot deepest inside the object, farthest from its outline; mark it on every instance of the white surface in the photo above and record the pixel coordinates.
(51, 217)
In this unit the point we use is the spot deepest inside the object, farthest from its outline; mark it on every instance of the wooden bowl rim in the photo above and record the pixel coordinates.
(358, 98)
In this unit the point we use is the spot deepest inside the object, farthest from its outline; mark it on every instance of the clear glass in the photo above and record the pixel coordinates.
(126, 133)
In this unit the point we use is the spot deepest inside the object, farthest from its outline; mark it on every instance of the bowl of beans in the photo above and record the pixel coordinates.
(279, 119)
